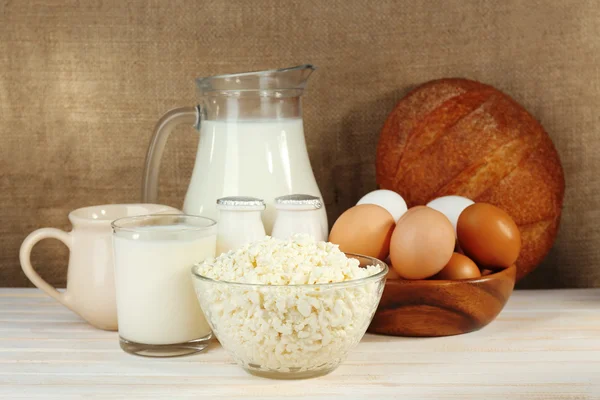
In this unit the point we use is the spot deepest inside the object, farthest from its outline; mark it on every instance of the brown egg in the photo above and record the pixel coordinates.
(488, 236)
(422, 243)
(364, 229)
(486, 272)
(410, 211)
(459, 267)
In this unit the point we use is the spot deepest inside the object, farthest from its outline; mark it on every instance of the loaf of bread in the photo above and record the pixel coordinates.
(457, 136)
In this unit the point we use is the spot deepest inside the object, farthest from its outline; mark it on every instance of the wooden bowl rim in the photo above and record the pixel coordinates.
(509, 272)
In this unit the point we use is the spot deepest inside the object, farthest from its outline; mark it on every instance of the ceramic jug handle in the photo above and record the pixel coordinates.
(34, 277)
(162, 130)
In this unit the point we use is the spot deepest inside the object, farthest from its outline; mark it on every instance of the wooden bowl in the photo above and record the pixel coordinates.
(441, 308)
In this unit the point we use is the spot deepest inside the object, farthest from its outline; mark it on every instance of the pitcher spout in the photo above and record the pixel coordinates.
(295, 77)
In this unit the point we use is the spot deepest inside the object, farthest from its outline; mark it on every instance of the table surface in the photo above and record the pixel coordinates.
(544, 345)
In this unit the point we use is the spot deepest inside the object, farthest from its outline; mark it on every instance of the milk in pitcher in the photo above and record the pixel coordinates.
(264, 159)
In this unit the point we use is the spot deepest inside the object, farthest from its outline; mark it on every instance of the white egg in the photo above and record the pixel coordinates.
(387, 199)
(451, 207)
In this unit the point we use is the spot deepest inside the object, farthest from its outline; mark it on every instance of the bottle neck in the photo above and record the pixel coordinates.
(287, 210)
(234, 215)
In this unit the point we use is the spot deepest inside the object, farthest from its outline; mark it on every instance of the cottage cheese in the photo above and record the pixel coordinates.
(282, 321)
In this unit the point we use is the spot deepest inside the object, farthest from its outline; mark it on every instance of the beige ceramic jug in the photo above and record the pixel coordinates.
(90, 279)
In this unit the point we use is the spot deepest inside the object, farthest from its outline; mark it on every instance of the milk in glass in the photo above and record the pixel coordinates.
(156, 303)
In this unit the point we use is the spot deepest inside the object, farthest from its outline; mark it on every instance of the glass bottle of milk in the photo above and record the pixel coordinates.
(239, 222)
(299, 213)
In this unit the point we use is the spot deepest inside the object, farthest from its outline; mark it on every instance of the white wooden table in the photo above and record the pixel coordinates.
(544, 345)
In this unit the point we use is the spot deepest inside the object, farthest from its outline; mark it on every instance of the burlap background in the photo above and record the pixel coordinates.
(83, 82)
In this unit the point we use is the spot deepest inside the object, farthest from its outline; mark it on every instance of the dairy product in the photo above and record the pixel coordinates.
(296, 305)
(263, 159)
(298, 213)
(239, 222)
(300, 260)
(156, 303)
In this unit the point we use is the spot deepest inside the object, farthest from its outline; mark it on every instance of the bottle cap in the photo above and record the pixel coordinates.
(298, 202)
(244, 203)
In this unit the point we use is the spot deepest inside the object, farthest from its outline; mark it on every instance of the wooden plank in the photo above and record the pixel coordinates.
(544, 345)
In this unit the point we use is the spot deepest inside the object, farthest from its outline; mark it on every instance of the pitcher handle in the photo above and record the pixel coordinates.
(25, 258)
(162, 130)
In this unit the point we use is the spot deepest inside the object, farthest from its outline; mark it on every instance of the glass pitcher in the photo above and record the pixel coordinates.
(251, 142)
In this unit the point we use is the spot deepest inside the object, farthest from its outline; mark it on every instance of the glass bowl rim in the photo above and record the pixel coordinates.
(381, 275)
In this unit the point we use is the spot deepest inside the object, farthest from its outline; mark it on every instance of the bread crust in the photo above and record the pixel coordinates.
(459, 136)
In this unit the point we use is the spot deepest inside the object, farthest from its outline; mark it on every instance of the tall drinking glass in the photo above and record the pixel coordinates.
(158, 313)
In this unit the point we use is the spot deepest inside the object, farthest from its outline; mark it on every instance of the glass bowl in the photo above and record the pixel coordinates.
(290, 331)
